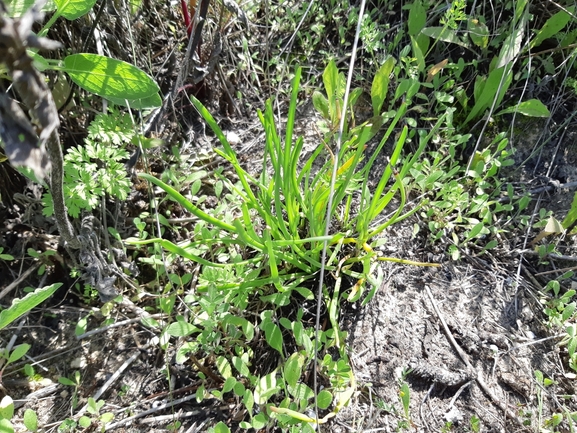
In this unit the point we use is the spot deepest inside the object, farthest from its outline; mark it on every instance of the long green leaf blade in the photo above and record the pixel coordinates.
(27, 303)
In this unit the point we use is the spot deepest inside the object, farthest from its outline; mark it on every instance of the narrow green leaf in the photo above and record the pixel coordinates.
(65, 381)
(331, 82)
(512, 45)
(175, 195)
(109, 78)
(475, 231)
(380, 85)
(27, 303)
(531, 108)
(571, 215)
(418, 54)
(496, 85)
(405, 394)
(520, 8)
(72, 9)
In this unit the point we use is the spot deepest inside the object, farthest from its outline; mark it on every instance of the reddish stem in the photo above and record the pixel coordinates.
(186, 16)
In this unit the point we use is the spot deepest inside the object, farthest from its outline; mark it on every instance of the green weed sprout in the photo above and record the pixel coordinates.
(96, 169)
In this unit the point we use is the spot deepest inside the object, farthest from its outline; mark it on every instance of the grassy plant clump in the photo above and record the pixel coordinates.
(265, 258)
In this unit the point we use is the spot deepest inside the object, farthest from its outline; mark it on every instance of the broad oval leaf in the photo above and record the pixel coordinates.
(30, 420)
(273, 336)
(6, 426)
(109, 78)
(180, 329)
(18, 352)
(324, 399)
(293, 368)
(417, 18)
(223, 367)
(72, 9)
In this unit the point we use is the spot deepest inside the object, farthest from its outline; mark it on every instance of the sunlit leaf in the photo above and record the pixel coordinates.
(553, 26)
(27, 303)
(223, 367)
(221, 428)
(531, 108)
(265, 388)
(553, 227)
(109, 78)
(17, 8)
(6, 408)
(72, 9)
(571, 215)
(293, 368)
(180, 329)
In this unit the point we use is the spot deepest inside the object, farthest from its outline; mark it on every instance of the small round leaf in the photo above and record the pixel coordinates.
(324, 399)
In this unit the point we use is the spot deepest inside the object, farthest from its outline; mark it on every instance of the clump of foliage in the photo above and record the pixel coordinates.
(97, 169)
